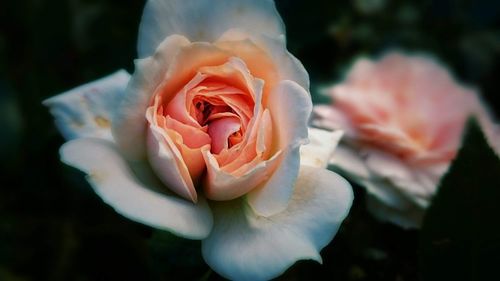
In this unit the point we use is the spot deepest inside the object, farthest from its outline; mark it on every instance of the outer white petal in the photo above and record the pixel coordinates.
(129, 121)
(290, 106)
(389, 186)
(289, 67)
(205, 20)
(166, 161)
(327, 117)
(395, 194)
(349, 161)
(407, 216)
(86, 110)
(387, 166)
(413, 182)
(320, 148)
(113, 180)
(245, 246)
(385, 192)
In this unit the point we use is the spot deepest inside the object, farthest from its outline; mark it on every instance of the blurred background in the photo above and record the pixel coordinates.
(52, 225)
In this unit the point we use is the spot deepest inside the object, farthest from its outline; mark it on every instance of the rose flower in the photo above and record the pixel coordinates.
(403, 118)
(204, 139)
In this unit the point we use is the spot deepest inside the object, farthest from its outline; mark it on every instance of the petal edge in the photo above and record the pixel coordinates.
(246, 246)
(112, 179)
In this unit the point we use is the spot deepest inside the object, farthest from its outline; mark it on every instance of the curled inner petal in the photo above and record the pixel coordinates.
(221, 131)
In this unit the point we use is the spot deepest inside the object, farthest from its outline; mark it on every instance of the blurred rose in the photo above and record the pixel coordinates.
(216, 109)
(403, 117)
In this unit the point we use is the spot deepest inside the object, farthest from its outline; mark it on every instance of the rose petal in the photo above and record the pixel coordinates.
(320, 148)
(407, 216)
(168, 163)
(266, 57)
(228, 158)
(236, 74)
(388, 166)
(220, 130)
(205, 20)
(328, 117)
(111, 178)
(257, 60)
(243, 173)
(290, 106)
(177, 108)
(221, 185)
(246, 246)
(192, 137)
(86, 111)
(289, 67)
(407, 180)
(235, 171)
(349, 161)
(129, 123)
(385, 192)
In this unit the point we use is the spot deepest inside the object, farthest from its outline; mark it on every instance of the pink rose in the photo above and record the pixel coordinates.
(403, 117)
(204, 139)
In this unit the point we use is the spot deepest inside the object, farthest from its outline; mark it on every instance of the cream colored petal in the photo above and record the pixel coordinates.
(406, 179)
(321, 146)
(168, 164)
(221, 185)
(287, 66)
(349, 161)
(385, 192)
(386, 165)
(129, 121)
(290, 106)
(246, 246)
(328, 117)
(408, 216)
(86, 111)
(205, 20)
(112, 179)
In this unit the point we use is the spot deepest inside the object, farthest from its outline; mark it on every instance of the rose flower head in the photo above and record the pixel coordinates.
(207, 138)
(403, 118)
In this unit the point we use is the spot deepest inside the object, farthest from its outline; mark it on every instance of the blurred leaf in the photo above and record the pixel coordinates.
(460, 237)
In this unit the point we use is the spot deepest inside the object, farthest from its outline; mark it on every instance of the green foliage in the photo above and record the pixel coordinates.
(460, 238)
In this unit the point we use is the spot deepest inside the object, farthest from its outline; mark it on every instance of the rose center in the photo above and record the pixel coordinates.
(224, 124)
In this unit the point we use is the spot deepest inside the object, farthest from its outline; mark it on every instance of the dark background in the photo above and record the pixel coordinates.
(52, 225)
